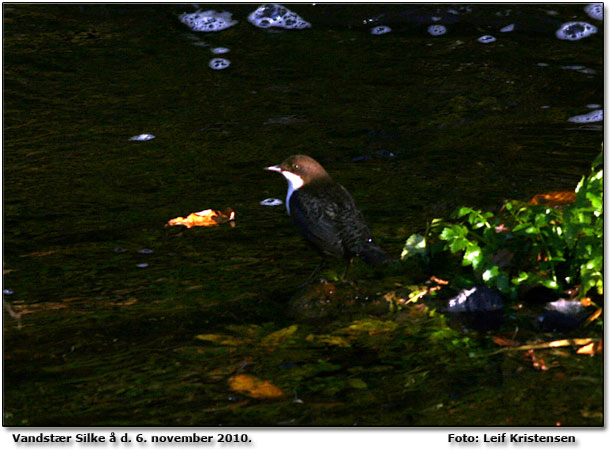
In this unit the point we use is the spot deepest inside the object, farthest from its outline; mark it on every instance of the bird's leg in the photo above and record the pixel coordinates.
(313, 274)
(346, 269)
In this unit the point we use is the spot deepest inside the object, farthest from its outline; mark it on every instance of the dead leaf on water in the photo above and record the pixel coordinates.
(205, 218)
(329, 339)
(221, 339)
(254, 387)
(274, 339)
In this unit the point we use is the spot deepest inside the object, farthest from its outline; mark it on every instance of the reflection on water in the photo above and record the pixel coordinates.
(414, 122)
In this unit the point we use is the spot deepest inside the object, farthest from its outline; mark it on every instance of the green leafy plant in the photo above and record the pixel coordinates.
(527, 244)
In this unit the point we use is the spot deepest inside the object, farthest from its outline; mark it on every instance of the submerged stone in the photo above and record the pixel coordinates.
(207, 20)
(573, 31)
(274, 15)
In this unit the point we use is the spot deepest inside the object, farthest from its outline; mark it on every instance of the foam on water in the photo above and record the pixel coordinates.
(207, 20)
(487, 39)
(595, 11)
(381, 29)
(593, 116)
(219, 63)
(274, 15)
(573, 31)
(142, 137)
(437, 30)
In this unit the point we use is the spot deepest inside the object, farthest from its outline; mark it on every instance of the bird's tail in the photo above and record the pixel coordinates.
(374, 255)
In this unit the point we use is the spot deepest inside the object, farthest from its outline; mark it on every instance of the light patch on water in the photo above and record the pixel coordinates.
(219, 63)
(381, 29)
(274, 15)
(207, 20)
(437, 30)
(573, 31)
(142, 137)
(271, 202)
(593, 116)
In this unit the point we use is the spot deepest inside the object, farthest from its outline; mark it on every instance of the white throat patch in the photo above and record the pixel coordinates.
(294, 183)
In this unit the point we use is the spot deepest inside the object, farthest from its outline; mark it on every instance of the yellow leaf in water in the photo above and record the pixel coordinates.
(329, 339)
(221, 339)
(357, 383)
(275, 338)
(254, 387)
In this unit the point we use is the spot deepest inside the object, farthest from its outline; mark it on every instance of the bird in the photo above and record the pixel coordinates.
(326, 215)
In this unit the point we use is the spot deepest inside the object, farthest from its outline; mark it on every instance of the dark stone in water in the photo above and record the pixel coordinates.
(562, 315)
(322, 299)
(479, 308)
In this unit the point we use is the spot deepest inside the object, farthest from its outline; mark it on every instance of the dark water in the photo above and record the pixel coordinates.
(412, 125)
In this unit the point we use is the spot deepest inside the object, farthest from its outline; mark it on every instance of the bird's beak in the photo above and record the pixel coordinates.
(274, 168)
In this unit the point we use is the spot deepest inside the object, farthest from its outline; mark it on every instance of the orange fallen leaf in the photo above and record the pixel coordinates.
(590, 349)
(254, 387)
(504, 342)
(554, 198)
(205, 218)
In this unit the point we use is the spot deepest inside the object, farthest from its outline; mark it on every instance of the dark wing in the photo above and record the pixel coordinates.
(333, 226)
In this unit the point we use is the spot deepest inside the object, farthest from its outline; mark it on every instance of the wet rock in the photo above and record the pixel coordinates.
(479, 308)
(323, 299)
(562, 315)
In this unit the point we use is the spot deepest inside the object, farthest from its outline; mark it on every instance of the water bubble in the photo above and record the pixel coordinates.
(593, 116)
(142, 137)
(595, 11)
(274, 15)
(508, 28)
(543, 64)
(573, 31)
(7, 291)
(220, 50)
(545, 107)
(593, 105)
(487, 39)
(572, 67)
(219, 63)
(437, 30)
(201, 44)
(435, 19)
(145, 251)
(207, 20)
(119, 250)
(381, 29)
(142, 265)
(271, 202)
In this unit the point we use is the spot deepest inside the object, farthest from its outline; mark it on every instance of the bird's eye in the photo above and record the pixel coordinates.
(295, 166)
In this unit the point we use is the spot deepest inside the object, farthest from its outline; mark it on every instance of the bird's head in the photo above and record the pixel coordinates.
(299, 170)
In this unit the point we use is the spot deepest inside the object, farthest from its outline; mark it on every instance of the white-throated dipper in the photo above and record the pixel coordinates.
(325, 213)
